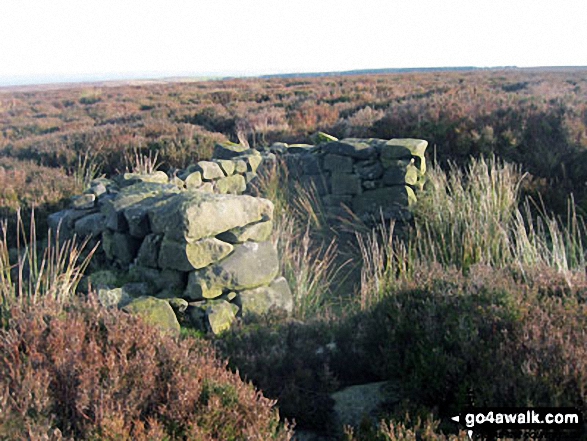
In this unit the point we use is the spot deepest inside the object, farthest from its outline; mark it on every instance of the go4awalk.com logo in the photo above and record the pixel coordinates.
(551, 423)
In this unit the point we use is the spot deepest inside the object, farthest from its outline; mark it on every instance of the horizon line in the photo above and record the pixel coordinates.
(56, 80)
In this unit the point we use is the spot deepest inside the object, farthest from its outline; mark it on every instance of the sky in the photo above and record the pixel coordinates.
(62, 40)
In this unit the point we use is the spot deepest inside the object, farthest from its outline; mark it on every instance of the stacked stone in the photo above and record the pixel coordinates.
(373, 177)
(232, 168)
(205, 256)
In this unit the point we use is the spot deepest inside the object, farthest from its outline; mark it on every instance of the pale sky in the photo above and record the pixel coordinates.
(54, 40)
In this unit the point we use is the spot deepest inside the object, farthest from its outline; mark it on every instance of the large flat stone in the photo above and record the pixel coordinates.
(350, 147)
(194, 215)
(403, 148)
(250, 265)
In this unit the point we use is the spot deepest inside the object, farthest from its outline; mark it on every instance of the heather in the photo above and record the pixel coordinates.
(480, 297)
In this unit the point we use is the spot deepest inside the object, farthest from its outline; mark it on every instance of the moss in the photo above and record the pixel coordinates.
(154, 311)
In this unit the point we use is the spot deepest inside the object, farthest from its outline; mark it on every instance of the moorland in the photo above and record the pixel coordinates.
(482, 298)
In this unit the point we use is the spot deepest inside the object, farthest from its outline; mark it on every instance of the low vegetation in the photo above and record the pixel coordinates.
(482, 296)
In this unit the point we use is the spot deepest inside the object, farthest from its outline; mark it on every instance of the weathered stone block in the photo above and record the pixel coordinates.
(120, 247)
(321, 138)
(148, 254)
(83, 201)
(310, 164)
(399, 172)
(154, 311)
(257, 232)
(345, 183)
(240, 166)
(350, 147)
(210, 170)
(370, 170)
(402, 149)
(331, 200)
(90, 225)
(235, 184)
(338, 163)
(195, 215)
(318, 183)
(229, 150)
(300, 148)
(250, 265)
(226, 165)
(187, 256)
(193, 180)
(392, 202)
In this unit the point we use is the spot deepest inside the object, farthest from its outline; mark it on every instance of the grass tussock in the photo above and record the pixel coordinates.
(33, 271)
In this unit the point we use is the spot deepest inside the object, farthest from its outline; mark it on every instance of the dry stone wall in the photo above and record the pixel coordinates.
(205, 256)
(374, 178)
(193, 246)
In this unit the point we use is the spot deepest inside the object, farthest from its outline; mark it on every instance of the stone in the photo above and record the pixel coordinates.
(194, 215)
(240, 166)
(178, 182)
(235, 184)
(220, 315)
(157, 177)
(136, 289)
(355, 404)
(331, 200)
(345, 183)
(316, 183)
(83, 202)
(103, 279)
(179, 305)
(400, 172)
(62, 223)
(158, 280)
(257, 232)
(226, 165)
(300, 148)
(338, 163)
(120, 247)
(250, 265)
(90, 225)
(250, 176)
(253, 162)
(210, 170)
(392, 202)
(154, 311)
(113, 297)
(278, 148)
(193, 180)
(369, 169)
(310, 164)
(148, 254)
(370, 185)
(98, 189)
(206, 187)
(321, 137)
(402, 149)
(140, 196)
(354, 148)
(265, 298)
(229, 150)
(199, 288)
(187, 256)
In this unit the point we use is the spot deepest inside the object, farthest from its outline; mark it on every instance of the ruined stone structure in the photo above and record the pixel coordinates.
(194, 247)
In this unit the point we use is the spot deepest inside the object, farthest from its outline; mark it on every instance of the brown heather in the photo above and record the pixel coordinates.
(81, 372)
